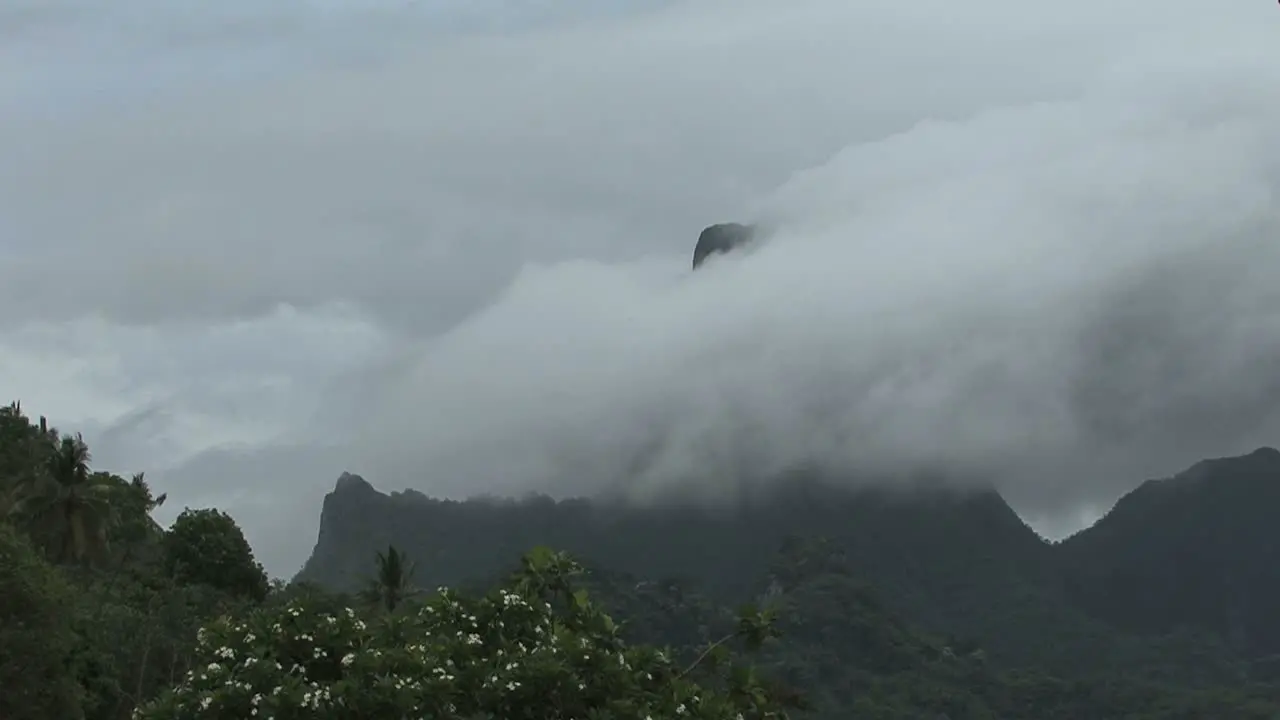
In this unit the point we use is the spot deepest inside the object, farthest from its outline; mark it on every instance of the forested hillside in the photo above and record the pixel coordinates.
(959, 564)
(816, 603)
(1200, 550)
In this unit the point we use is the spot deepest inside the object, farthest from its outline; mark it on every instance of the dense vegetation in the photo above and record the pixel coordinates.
(1218, 520)
(1142, 595)
(106, 615)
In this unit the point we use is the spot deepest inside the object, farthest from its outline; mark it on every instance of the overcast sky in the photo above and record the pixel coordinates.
(445, 244)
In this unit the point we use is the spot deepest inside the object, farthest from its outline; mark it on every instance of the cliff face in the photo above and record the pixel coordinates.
(349, 518)
(459, 541)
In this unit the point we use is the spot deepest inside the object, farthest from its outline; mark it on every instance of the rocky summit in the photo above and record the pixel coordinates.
(722, 238)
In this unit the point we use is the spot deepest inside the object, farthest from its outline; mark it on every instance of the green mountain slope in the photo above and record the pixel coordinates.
(961, 565)
(852, 656)
(1200, 550)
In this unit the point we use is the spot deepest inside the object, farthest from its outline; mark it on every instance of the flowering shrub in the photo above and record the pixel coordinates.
(534, 648)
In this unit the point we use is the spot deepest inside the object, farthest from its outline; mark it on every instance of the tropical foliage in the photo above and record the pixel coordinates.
(534, 648)
(392, 585)
(106, 615)
(206, 547)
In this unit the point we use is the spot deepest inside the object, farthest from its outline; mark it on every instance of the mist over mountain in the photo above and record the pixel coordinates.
(1039, 297)
(893, 600)
(1008, 244)
(989, 267)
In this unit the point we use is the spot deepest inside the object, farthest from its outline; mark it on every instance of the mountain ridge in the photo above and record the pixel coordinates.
(960, 563)
(1199, 549)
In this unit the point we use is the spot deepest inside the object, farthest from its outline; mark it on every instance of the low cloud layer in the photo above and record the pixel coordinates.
(1050, 296)
(1029, 246)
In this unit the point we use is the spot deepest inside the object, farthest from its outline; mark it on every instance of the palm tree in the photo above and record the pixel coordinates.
(392, 585)
(139, 483)
(67, 502)
(142, 491)
(132, 504)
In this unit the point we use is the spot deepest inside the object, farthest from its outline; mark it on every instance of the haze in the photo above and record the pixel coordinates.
(446, 245)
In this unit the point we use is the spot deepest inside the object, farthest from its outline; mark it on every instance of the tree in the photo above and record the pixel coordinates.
(36, 636)
(534, 648)
(17, 437)
(67, 504)
(392, 584)
(207, 547)
(132, 503)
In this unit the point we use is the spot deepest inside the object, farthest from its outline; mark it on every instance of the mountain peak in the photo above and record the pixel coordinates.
(1265, 453)
(350, 482)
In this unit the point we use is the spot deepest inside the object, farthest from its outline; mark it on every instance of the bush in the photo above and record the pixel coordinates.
(536, 647)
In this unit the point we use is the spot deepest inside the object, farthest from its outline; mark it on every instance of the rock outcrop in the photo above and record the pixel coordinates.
(722, 238)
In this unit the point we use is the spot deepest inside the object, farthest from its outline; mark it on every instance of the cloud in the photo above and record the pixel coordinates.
(1045, 295)
(417, 180)
(148, 398)
(1056, 295)
(1024, 243)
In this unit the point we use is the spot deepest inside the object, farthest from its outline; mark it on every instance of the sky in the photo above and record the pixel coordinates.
(446, 245)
